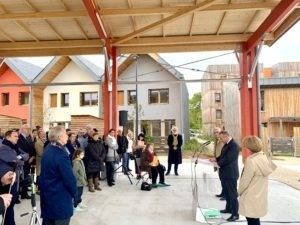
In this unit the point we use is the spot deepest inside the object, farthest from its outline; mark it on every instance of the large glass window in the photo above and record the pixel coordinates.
(64, 99)
(158, 96)
(5, 99)
(120, 98)
(53, 100)
(88, 98)
(131, 97)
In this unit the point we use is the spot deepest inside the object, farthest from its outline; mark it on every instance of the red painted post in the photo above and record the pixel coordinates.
(114, 113)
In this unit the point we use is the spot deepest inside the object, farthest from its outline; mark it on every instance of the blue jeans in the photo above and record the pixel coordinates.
(125, 160)
(78, 199)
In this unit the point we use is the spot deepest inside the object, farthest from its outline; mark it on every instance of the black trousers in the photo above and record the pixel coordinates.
(253, 221)
(110, 172)
(230, 191)
(155, 171)
(56, 222)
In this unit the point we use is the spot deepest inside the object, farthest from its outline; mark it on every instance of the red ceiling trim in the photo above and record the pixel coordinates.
(98, 24)
(278, 13)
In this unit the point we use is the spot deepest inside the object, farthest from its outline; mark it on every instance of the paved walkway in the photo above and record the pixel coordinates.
(126, 204)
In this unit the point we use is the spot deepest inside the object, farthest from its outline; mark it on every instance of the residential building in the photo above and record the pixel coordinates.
(162, 97)
(15, 81)
(68, 86)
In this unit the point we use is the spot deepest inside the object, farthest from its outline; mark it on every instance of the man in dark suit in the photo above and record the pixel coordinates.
(25, 143)
(229, 174)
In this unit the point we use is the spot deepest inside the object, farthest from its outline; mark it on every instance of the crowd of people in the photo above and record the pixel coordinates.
(60, 163)
(65, 162)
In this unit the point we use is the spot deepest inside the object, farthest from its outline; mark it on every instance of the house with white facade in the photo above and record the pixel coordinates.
(69, 86)
(162, 96)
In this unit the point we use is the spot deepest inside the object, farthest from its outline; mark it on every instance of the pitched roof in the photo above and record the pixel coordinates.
(25, 70)
(58, 63)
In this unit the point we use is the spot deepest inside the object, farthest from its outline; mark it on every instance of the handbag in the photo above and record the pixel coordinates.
(145, 186)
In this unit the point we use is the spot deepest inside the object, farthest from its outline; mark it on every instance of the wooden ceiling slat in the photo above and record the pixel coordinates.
(66, 27)
(172, 10)
(26, 30)
(5, 35)
(169, 19)
(43, 15)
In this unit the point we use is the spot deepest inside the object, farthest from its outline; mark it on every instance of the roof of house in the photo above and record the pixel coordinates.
(279, 82)
(25, 70)
(58, 63)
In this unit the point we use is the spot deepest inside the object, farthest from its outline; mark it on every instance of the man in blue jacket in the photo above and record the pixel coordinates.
(57, 182)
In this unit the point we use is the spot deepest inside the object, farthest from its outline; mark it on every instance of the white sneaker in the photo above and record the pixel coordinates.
(78, 209)
(82, 205)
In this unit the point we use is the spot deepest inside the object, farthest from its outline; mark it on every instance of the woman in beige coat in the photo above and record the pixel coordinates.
(253, 186)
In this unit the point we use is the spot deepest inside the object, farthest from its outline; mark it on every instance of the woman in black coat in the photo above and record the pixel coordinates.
(95, 155)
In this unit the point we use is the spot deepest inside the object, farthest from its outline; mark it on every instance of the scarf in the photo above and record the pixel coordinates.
(175, 139)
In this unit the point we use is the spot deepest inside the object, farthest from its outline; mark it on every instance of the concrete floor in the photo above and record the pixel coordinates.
(126, 204)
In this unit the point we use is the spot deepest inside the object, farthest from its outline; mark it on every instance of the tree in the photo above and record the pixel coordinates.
(195, 111)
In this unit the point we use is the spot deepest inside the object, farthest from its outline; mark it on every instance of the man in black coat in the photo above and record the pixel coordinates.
(25, 143)
(229, 174)
(174, 154)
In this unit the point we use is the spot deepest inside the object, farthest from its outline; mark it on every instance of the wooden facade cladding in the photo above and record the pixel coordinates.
(281, 110)
(80, 121)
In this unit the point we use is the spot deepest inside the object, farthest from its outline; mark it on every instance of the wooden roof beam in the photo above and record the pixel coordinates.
(172, 10)
(179, 48)
(43, 15)
(200, 39)
(50, 52)
(292, 19)
(283, 8)
(96, 43)
(166, 20)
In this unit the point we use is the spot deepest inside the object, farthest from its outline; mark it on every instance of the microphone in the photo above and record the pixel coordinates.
(205, 143)
(201, 146)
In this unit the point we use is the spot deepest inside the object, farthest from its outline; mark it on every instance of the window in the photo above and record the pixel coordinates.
(158, 96)
(64, 99)
(218, 114)
(23, 98)
(217, 97)
(5, 99)
(120, 98)
(262, 100)
(53, 100)
(88, 98)
(131, 97)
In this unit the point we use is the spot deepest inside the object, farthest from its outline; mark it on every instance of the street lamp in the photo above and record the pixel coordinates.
(135, 57)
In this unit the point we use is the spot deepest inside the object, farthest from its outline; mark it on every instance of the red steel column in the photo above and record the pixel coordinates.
(249, 104)
(114, 112)
(106, 110)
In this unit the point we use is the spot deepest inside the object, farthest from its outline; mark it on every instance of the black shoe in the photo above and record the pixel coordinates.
(129, 170)
(224, 211)
(176, 174)
(25, 197)
(222, 199)
(18, 201)
(167, 173)
(219, 196)
(233, 218)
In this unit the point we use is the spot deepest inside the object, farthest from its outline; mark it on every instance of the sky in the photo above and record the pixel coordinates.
(286, 49)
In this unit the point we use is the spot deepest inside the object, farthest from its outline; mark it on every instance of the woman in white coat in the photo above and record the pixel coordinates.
(253, 185)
